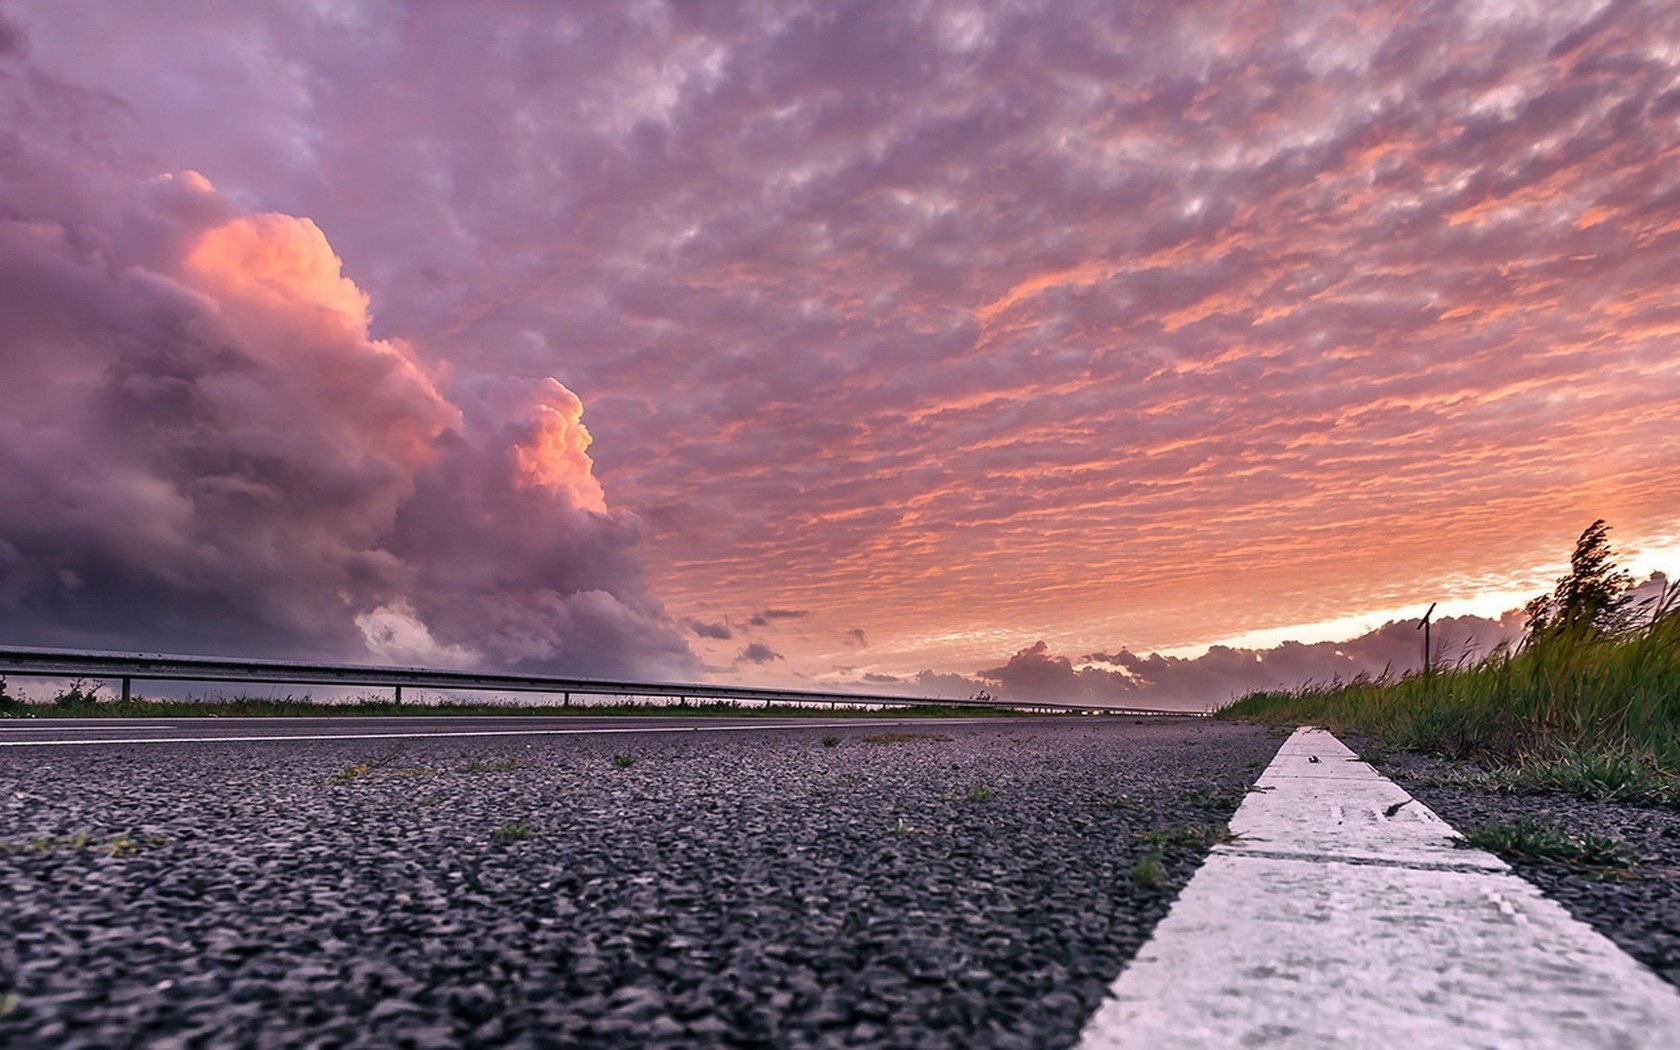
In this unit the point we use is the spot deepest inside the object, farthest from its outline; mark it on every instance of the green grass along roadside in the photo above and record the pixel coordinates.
(1577, 710)
(79, 702)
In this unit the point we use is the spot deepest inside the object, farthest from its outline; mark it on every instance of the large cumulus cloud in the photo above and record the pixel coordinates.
(204, 448)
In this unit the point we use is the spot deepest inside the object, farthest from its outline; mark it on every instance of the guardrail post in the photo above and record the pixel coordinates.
(399, 694)
(567, 701)
(125, 686)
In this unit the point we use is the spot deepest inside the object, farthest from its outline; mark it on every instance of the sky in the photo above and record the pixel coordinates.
(1149, 351)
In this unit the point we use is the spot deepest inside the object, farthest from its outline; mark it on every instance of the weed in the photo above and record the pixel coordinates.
(514, 832)
(981, 792)
(623, 761)
(903, 827)
(1200, 836)
(1148, 871)
(8, 1005)
(831, 741)
(1255, 763)
(1539, 840)
(122, 845)
(904, 738)
(358, 770)
(414, 771)
(846, 780)
(79, 694)
(1215, 796)
(500, 765)
(1120, 802)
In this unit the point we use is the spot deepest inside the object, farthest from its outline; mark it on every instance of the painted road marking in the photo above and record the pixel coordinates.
(59, 729)
(849, 724)
(1331, 923)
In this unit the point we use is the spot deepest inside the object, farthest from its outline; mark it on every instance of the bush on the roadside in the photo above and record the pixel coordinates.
(9, 704)
(79, 693)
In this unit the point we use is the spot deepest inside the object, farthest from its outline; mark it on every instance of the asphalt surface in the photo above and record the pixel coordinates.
(942, 884)
(108, 731)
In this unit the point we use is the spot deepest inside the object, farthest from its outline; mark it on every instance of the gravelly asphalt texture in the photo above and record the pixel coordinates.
(751, 889)
(1640, 913)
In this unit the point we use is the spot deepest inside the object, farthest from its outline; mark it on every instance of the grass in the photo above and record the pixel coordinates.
(1539, 840)
(499, 765)
(1577, 710)
(115, 846)
(981, 792)
(1118, 802)
(903, 827)
(81, 700)
(904, 738)
(357, 770)
(1200, 836)
(830, 740)
(1215, 796)
(1149, 872)
(515, 831)
(622, 761)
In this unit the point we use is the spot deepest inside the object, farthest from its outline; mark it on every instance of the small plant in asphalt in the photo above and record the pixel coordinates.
(1213, 796)
(1149, 872)
(1255, 763)
(1119, 802)
(123, 845)
(358, 770)
(904, 738)
(1539, 840)
(981, 792)
(904, 827)
(512, 832)
(415, 771)
(846, 780)
(623, 761)
(831, 741)
(500, 765)
(1196, 835)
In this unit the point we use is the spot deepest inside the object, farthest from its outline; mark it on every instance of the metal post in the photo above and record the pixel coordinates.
(1425, 626)
(567, 702)
(399, 694)
(125, 682)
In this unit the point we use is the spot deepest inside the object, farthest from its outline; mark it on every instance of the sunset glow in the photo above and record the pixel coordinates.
(907, 336)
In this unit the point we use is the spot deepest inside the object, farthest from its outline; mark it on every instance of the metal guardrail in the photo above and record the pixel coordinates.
(128, 668)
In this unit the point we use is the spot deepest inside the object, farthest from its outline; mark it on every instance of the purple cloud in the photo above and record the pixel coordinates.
(207, 449)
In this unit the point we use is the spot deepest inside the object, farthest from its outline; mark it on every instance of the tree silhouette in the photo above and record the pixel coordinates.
(1591, 595)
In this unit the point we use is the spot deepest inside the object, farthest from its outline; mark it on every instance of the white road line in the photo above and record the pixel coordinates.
(59, 729)
(851, 724)
(1347, 915)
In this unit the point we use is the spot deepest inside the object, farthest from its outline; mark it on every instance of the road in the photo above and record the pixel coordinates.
(84, 731)
(934, 883)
